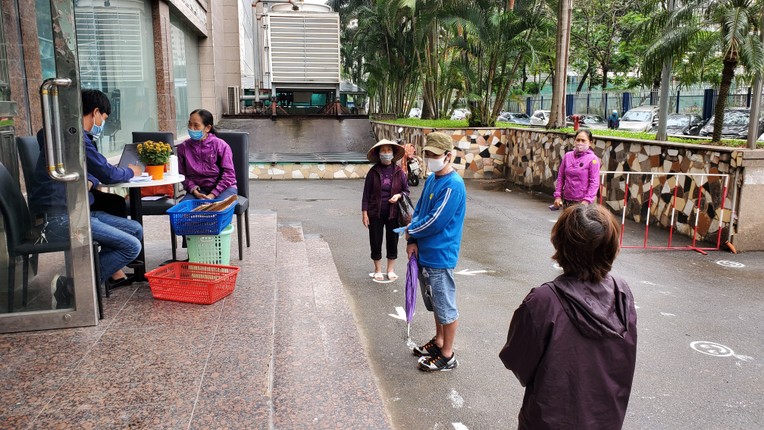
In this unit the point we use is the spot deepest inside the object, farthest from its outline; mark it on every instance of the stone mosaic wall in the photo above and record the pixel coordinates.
(307, 171)
(535, 158)
(531, 158)
(481, 152)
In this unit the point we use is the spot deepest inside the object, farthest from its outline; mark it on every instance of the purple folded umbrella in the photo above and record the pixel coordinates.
(412, 279)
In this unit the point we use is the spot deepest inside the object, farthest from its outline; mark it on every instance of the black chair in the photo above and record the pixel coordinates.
(29, 152)
(21, 241)
(159, 207)
(239, 143)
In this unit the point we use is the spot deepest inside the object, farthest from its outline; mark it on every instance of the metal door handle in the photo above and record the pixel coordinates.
(51, 119)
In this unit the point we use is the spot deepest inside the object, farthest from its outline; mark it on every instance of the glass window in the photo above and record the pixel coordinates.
(185, 69)
(115, 46)
(45, 36)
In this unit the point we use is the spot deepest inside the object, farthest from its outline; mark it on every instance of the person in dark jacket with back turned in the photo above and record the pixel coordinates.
(384, 185)
(572, 343)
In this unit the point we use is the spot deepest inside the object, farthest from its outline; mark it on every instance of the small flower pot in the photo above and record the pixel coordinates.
(156, 172)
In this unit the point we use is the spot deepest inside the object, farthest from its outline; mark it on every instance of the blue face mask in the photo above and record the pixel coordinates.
(97, 129)
(195, 134)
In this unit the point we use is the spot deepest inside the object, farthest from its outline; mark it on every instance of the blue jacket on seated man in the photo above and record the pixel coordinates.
(119, 237)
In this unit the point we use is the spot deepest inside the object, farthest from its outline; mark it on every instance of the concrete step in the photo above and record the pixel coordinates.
(298, 382)
(357, 401)
(321, 377)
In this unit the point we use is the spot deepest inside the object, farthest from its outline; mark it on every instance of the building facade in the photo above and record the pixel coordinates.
(156, 59)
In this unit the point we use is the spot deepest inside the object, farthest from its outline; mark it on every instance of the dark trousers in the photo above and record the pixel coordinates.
(379, 227)
(112, 204)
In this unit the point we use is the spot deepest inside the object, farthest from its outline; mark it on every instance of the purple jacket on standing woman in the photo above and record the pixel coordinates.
(573, 346)
(207, 164)
(579, 177)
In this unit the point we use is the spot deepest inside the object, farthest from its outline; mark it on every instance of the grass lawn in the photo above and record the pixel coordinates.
(446, 123)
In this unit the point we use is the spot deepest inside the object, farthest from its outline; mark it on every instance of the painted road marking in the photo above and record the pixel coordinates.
(666, 314)
(459, 426)
(711, 348)
(401, 314)
(718, 350)
(557, 266)
(457, 401)
(468, 272)
(728, 263)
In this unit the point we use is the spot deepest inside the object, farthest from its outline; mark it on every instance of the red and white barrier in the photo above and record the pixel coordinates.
(699, 178)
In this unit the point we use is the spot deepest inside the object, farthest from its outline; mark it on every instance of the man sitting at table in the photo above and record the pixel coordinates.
(119, 237)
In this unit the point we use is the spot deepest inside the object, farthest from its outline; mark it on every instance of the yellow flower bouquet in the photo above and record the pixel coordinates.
(154, 153)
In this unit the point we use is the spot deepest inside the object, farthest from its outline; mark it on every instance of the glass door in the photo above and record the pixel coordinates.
(48, 276)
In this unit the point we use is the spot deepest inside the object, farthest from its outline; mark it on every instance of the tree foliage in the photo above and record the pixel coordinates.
(478, 53)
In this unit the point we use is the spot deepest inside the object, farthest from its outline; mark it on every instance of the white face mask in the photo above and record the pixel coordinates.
(386, 158)
(436, 164)
(581, 147)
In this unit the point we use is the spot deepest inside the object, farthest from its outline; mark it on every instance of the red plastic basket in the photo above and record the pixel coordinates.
(203, 284)
(185, 221)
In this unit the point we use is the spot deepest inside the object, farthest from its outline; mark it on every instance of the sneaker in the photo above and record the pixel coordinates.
(437, 363)
(60, 292)
(427, 350)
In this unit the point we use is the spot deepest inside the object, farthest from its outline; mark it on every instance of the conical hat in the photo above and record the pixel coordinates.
(373, 154)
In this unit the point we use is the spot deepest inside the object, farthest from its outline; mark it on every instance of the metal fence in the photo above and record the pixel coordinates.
(701, 102)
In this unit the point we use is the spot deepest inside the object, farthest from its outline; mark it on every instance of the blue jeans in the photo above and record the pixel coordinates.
(443, 293)
(228, 192)
(119, 239)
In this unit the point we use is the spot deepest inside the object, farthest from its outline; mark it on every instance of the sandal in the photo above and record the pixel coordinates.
(378, 276)
(392, 276)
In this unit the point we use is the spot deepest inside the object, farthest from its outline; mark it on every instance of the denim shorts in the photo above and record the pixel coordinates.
(443, 293)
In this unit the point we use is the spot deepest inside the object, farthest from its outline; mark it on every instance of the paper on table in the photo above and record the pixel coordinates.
(141, 179)
(152, 198)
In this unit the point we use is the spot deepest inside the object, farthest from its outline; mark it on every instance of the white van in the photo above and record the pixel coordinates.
(642, 118)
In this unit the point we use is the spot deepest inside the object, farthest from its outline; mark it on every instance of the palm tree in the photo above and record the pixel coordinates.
(491, 42)
(385, 46)
(730, 24)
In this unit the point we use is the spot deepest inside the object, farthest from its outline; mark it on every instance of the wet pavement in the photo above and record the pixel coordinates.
(700, 362)
(307, 340)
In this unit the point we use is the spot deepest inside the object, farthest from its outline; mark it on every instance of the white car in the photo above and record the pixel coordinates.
(642, 118)
(415, 113)
(540, 117)
(460, 114)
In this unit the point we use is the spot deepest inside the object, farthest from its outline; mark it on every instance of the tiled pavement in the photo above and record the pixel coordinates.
(281, 352)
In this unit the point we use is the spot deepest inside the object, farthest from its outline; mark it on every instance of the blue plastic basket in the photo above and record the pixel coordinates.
(186, 222)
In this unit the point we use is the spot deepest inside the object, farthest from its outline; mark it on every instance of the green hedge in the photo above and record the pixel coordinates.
(445, 123)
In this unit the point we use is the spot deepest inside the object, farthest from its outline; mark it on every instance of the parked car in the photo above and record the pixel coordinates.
(460, 114)
(641, 118)
(594, 122)
(540, 117)
(735, 124)
(514, 118)
(415, 113)
(683, 123)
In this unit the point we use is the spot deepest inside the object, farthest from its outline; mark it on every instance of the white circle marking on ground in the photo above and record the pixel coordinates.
(711, 348)
(728, 263)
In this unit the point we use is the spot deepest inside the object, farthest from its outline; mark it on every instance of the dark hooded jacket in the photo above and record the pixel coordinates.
(573, 345)
(371, 201)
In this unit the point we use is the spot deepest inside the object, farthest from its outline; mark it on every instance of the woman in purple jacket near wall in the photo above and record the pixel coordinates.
(572, 343)
(579, 175)
(384, 185)
(206, 160)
